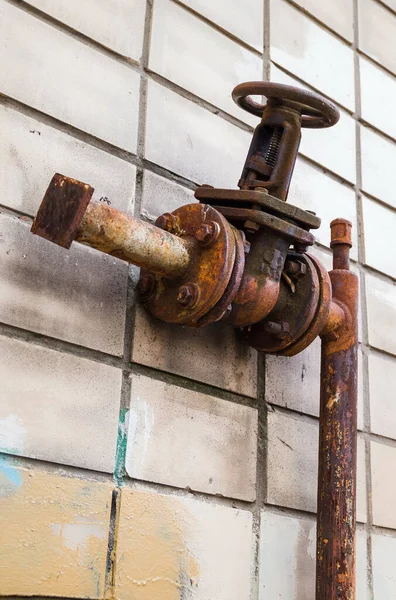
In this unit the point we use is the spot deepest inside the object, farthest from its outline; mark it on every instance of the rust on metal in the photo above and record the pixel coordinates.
(273, 151)
(210, 269)
(133, 240)
(336, 518)
(62, 210)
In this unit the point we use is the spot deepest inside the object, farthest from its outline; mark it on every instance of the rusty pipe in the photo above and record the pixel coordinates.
(133, 240)
(66, 215)
(336, 516)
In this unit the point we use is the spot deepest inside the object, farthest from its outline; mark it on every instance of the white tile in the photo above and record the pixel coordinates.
(117, 24)
(382, 383)
(31, 153)
(335, 147)
(383, 465)
(378, 161)
(169, 546)
(54, 533)
(293, 464)
(197, 57)
(55, 406)
(337, 15)
(308, 51)
(77, 295)
(376, 83)
(162, 195)
(381, 313)
(190, 440)
(377, 31)
(384, 573)
(379, 225)
(67, 79)
(191, 141)
(294, 382)
(312, 189)
(234, 17)
(287, 558)
(224, 361)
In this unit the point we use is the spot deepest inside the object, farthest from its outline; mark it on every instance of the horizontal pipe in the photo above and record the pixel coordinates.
(133, 240)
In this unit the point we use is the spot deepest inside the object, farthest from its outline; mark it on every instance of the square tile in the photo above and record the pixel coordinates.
(56, 406)
(190, 440)
(383, 463)
(379, 225)
(382, 383)
(306, 50)
(54, 533)
(376, 83)
(377, 31)
(381, 307)
(384, 574)
(212, 354)
(337, 15)
(378, 159)
(292, 456)
(167, 546)
(116, 25)
(247, 25)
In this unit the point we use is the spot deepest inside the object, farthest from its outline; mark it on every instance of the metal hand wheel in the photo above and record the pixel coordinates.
(316, 111)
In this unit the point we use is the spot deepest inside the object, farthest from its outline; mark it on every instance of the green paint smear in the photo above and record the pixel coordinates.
(119, 470)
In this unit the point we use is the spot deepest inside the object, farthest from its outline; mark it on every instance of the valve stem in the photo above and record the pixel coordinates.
(274, 147)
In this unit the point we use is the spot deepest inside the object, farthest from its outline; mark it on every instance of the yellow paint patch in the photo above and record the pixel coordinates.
(53, 534)
(153, 561)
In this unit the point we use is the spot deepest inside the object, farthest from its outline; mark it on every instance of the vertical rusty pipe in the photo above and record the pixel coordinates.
(336, 518)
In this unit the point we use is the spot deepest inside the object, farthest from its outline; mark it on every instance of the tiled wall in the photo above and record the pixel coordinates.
(140, 460)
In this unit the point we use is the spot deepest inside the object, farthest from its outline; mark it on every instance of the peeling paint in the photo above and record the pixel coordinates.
(153, 559)
(119, 470)
(53, 534)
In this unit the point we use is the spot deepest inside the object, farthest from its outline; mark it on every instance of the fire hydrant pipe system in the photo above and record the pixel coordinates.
(240, 256)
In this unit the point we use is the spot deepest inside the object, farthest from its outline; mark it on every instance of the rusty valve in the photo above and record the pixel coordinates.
(238, 255)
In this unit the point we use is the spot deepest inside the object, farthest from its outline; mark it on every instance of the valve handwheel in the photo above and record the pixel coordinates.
(316, 111)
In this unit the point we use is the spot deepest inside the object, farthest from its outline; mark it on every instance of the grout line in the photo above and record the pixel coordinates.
(363, 298)
(261, 471)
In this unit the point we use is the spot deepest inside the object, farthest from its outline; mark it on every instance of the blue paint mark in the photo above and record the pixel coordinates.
(10, 477)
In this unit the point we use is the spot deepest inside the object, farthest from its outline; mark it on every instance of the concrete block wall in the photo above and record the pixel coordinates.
(144, 461)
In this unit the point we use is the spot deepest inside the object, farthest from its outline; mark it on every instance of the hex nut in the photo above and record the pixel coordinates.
(147, 285)
(208, 233)
(188, 295)
(295, 268)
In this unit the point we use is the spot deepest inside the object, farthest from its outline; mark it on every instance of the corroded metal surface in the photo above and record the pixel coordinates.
(134, 241)
(209, 271)
(297, 304)
(61, 210)
(273, 150)
(336, 525)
